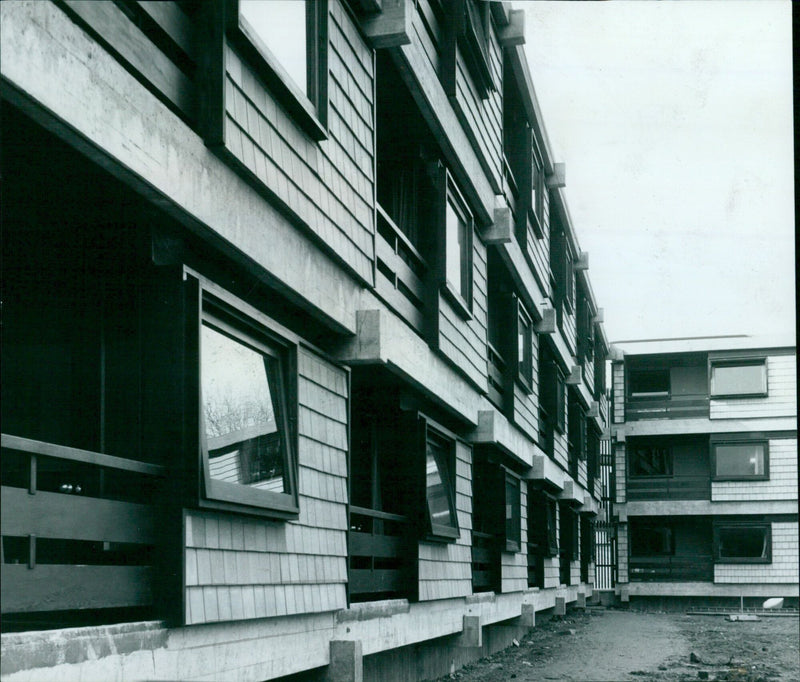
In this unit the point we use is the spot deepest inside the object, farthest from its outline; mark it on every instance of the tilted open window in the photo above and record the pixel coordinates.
(286, 41)
(739, 378)
(542, 526)
(647, 459)
(439, 476)
(458, 229)
(247, 447)
(742, 542)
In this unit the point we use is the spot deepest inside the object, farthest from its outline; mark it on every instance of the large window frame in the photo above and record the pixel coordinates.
(457, 240)
(718, 392)
(721, 443)
(438, 474)
(734, 530)
(542, 509)
(226, 315)
(307, 104)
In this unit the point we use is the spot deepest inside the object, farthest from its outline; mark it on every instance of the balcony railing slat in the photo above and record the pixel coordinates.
(73, 517)
(54, 587)
(36, 447)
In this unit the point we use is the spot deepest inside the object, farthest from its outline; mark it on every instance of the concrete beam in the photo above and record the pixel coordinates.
(710, 507)
(495, 429)
(546, 470)
(558, 178)
(513, 33)
(547, 325)
(501, 231)
(347, 664)
(575, 376)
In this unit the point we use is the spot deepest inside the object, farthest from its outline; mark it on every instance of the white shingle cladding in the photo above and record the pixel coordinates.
(781, 400)
(782, 483)
(784, 566)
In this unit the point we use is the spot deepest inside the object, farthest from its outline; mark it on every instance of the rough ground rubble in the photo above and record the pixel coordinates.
(613, 645)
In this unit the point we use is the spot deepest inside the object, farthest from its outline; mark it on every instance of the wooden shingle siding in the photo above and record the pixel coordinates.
(781, 400)
(618, 391)
(621, 477)
(464, 341)
(782, 483)
(239, 567)
(569, 329)
(445, 570)
(483, 118)
(327, 185)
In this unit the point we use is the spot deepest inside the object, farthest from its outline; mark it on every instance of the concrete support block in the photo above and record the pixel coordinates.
(472, 634)
(561, 606)
(580, 602)
(625, 593)
(347, 663)
(527, 617)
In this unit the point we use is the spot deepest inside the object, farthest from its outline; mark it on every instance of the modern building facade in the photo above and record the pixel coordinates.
(302, 368)
(705, 438)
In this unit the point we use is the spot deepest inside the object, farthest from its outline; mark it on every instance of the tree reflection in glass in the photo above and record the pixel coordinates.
(239, 386)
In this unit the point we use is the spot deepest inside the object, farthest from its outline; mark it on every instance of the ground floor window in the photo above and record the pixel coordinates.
(743, 543)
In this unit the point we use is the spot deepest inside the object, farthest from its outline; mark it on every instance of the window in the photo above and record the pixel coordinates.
(568, 528)
(648, 460)
(440, 485)
(648, 383)
(524, 349)
(287, 42)
(542, 528)
(468, 27)
(585, 329)
(552, 401)
(458, 250)
(743, 543)
(651, 539)
(512, 512)
(739, 379)
(576, 433)
(740, 460)
(247, 450)
(536, 206)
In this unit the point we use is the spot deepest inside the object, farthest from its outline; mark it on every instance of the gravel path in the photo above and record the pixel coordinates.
(610, 645)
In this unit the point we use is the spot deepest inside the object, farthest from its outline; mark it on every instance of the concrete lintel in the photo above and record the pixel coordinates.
(513, 33)
(495, 429)
(589, 506)
(621, 512)
(572, 493)
(391, 26)
(501, 231)
(710, 507)
(347, 661)
(619, 434)
(558, 178)
(545, 469)
(657, 427)
(575, 377)
(547, 325)
(472, 633)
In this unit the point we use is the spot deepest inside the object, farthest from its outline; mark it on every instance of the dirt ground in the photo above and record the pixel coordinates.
(609, 644)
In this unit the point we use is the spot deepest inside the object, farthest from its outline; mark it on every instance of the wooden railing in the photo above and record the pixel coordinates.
(698, 567)
(497, 376)
(401, 272)
(78, 528)
(485, 562)
(660, 407)
(670, 487)
(380, 559)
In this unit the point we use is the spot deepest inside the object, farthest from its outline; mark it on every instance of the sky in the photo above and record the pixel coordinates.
(674, 120)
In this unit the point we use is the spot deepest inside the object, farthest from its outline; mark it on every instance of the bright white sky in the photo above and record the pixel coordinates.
(675, 123)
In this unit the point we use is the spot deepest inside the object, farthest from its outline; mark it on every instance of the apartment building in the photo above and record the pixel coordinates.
(302, 367)
(705, 440)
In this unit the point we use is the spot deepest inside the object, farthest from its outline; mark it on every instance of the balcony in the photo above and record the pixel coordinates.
(401, 272)
(665, 406)
(381, 560)
(670, 488)
(78, 531)
(695, 568)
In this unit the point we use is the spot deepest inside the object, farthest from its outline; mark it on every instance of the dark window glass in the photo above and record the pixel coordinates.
(512, 512)
(524, 349)
(743, 543)
(649, 383)
(648, 460)
(651, 540)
